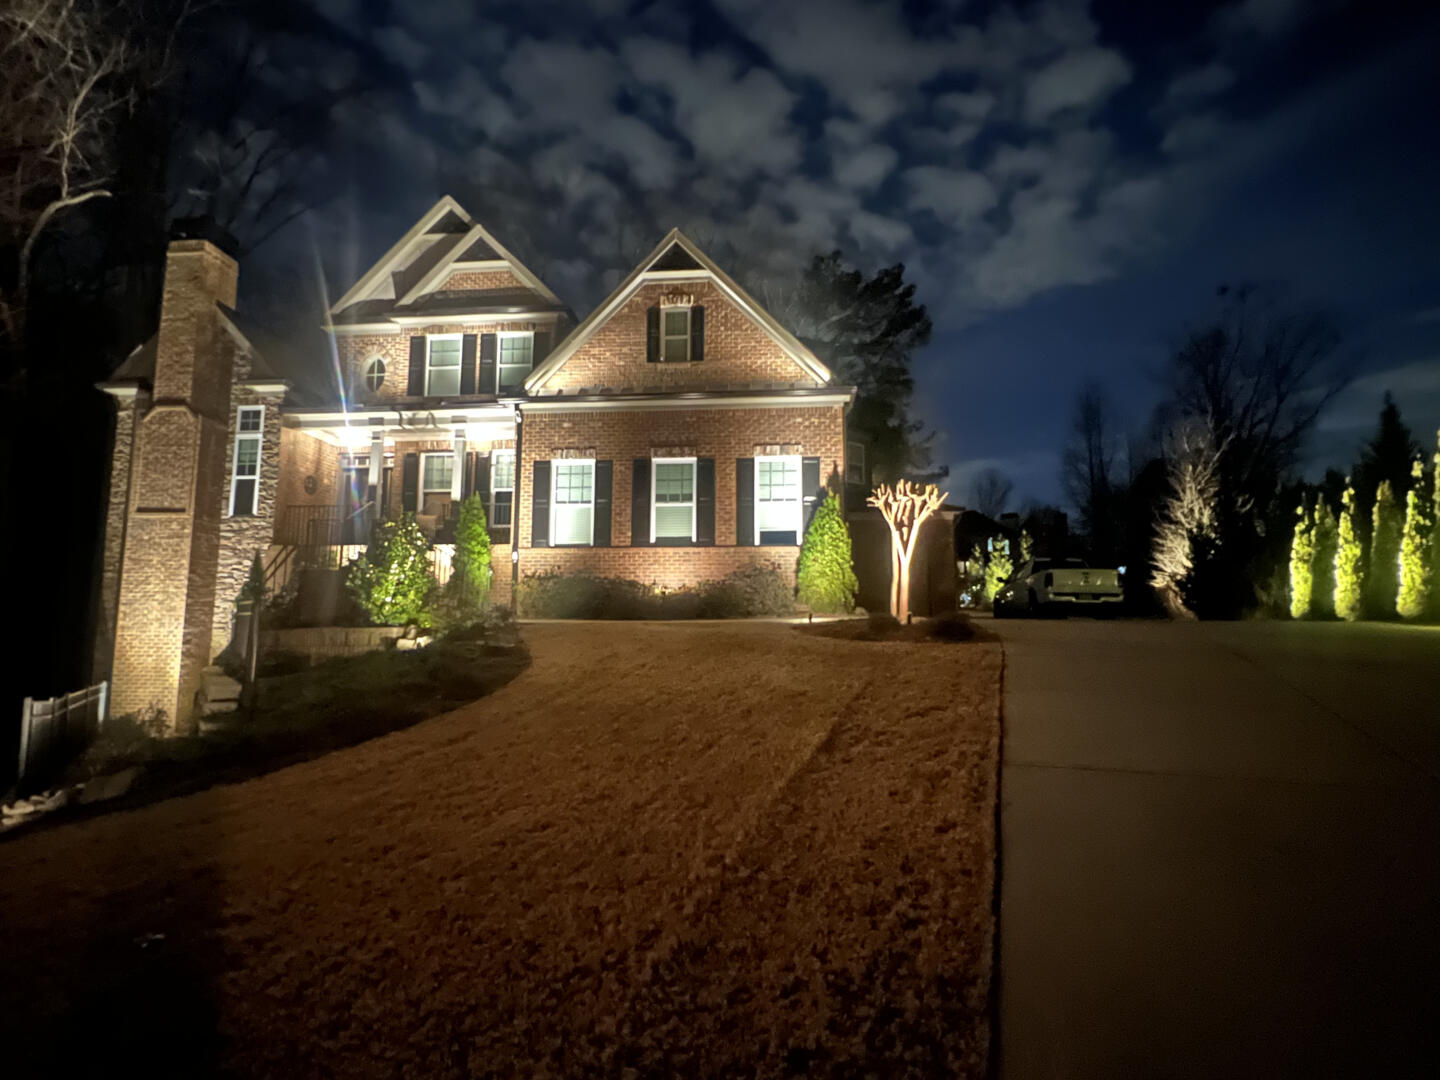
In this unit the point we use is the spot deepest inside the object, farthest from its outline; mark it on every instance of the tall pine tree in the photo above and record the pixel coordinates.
(1349, 563)
(1383, 580)
(1386, 457)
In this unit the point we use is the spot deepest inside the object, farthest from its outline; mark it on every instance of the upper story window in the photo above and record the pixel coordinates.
(245, 475)
(374, 374)
(517, 355)
(855, 463)
(778, 502)
(502, 488)
(675, 343)
(672, 506)
(572, 502)
(442, 365)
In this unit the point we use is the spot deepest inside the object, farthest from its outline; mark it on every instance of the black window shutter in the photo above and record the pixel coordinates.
(540, 506)
(541, 348)
(417, 366)
(705, 501)
(604, 472)
(482, 483)
(652, 334)
(810, 487)
(640, 503)
(697, 333)
(467, 364)
(486, 385)
(745, 501)
(410, 484)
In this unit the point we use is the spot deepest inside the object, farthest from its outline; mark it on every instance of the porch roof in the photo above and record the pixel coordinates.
(354, 429)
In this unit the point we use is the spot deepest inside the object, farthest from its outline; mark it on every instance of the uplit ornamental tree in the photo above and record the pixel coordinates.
(905, 508)
(1414, 595)
(392, 581)
(1302, 563)
(1185, 527)
(1349, 562)
(1327, 542)
(826, 575)
(1383, 581)
(1435, 529)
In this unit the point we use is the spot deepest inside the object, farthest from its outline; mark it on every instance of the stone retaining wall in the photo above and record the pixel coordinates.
(319, 643)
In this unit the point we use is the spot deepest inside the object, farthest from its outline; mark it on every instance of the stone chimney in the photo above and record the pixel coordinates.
(175, 493)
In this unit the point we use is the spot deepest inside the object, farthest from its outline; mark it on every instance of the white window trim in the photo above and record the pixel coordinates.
(240, 436)
(666, 309)
(500, 351)
(493, 489)
(384, 371)
(694, 492)
(799, 498)
(446, 490)
(460, 368)
(555, 464)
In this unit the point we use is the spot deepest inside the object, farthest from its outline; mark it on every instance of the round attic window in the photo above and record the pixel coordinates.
(375, 374)
(311, 485)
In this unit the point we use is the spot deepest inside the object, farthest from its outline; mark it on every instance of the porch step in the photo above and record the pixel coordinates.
(219, 693)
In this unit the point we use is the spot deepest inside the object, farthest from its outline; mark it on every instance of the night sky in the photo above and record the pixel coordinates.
(1067, 183)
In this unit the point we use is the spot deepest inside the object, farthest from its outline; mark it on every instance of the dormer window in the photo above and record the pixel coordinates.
(676, 331)
(676, 347)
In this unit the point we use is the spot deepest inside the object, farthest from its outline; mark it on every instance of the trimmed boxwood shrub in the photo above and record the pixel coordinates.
(743, 594)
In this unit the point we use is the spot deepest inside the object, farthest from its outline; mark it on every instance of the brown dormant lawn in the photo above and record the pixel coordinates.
(686, 849)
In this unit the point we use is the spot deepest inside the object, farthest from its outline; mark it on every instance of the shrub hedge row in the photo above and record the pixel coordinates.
(743, 594)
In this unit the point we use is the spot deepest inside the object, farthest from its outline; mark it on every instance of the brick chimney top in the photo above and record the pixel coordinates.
(204, 228)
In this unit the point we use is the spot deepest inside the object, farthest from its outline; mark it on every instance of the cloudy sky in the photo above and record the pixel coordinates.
(1066, 182)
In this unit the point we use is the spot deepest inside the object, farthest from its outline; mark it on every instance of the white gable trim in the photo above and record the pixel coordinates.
(787, 341)
(399, 251)
(441, 269)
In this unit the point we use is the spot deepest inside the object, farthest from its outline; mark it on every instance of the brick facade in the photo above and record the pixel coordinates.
(621, 435)
(483, 281)
(738, 353)
(129, 407)
(356, 350)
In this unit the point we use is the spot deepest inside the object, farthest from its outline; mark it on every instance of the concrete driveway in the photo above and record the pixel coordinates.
(1220, 850)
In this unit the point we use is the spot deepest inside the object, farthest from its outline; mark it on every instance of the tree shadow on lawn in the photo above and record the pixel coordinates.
(943, 630)
(298, 717)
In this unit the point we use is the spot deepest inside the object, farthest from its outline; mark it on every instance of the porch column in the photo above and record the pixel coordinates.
(377, 463)
(457, 474)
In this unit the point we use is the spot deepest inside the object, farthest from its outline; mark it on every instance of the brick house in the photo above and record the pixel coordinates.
(676, 434)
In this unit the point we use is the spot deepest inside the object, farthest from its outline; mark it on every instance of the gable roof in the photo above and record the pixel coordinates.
(454, 236)
(677, 253)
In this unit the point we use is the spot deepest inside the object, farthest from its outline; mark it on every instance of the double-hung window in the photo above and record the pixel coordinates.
(572, 502)
(245, 476)
(675, 334)
(777, 500)
(672, 506)
(517, 353)
(442, 365)
(502, 488)
(436, 473)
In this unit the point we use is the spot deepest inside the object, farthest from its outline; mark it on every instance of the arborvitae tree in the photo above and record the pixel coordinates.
(1414, 594)
(1435, 530)
(998, 567)
(392, 581)
(1383, 580)
(1327, 542)
(1027, 546)
(470, 575)
(1349, 563)
(826, 575)
(1302, 563)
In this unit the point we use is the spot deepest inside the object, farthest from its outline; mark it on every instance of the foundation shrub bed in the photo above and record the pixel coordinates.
(744, 594)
